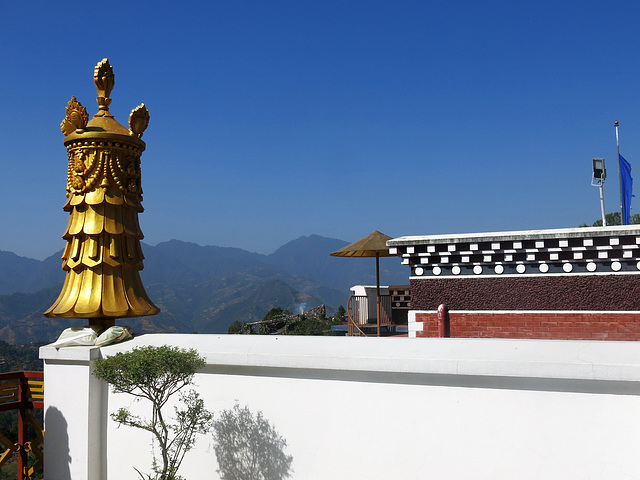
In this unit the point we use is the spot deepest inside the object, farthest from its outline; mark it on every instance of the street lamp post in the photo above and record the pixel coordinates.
(599, 174)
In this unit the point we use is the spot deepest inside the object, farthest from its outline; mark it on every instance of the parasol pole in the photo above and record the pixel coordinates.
(378, 293)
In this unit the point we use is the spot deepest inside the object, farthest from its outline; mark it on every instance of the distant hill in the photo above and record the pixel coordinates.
(21, 274)
(310, 256)
(199, 289)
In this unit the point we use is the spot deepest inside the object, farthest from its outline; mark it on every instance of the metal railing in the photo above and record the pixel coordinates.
(24, 392)
(359, 317)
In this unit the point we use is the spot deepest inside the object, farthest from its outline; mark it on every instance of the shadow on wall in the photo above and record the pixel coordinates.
(58, 453)
(248, 447)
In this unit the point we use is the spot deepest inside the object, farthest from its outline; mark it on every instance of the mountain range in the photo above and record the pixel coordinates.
(200, 289)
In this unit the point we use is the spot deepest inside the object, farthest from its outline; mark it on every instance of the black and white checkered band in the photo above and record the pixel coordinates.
(608, 250)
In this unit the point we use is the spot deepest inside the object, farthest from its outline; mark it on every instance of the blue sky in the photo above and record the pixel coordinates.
(276, 119)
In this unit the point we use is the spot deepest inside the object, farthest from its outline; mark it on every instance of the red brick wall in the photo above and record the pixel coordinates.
(552, 325)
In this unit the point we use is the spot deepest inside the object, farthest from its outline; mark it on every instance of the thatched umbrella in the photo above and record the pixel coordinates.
(373, 245)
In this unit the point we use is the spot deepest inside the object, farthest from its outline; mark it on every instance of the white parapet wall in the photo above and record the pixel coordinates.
(375, 408)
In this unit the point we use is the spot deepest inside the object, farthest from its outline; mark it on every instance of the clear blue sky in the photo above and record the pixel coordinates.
(276, 119)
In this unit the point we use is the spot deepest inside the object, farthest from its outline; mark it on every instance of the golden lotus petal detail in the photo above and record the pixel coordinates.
(138, 120)
(76, 118)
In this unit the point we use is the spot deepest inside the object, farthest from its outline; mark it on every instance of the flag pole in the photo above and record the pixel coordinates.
(619, 174)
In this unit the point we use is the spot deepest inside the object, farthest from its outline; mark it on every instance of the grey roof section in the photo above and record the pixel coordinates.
(579, 232)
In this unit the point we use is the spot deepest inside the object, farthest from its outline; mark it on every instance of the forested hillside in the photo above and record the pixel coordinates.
(15, 358)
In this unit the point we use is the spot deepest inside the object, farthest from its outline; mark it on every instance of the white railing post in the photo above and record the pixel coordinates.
(75, 415)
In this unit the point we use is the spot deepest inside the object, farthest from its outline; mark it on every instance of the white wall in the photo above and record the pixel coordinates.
(378, 408)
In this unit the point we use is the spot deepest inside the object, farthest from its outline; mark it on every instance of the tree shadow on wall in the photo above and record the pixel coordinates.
(248, 447)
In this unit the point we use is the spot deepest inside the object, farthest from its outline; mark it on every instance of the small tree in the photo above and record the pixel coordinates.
(156, 374)
(235, 327)
(613, 218)
(248, 447)
(276, 312)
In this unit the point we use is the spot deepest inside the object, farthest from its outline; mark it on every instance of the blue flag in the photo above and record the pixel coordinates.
(626, 189)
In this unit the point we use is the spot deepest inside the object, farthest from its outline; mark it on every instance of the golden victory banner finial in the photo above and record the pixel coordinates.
(103, 256)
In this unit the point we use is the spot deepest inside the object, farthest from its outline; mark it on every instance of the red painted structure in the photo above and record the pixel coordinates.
(444, 326)
(24, 392)
(578, 283)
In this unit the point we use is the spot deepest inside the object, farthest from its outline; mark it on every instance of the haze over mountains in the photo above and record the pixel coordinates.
(199, 289)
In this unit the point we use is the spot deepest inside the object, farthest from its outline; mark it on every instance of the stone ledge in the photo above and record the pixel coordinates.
(617, 361)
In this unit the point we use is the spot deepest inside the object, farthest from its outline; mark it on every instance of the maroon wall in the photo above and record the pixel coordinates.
(577, 292)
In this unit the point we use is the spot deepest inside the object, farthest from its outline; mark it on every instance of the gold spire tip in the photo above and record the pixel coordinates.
(104, 80)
